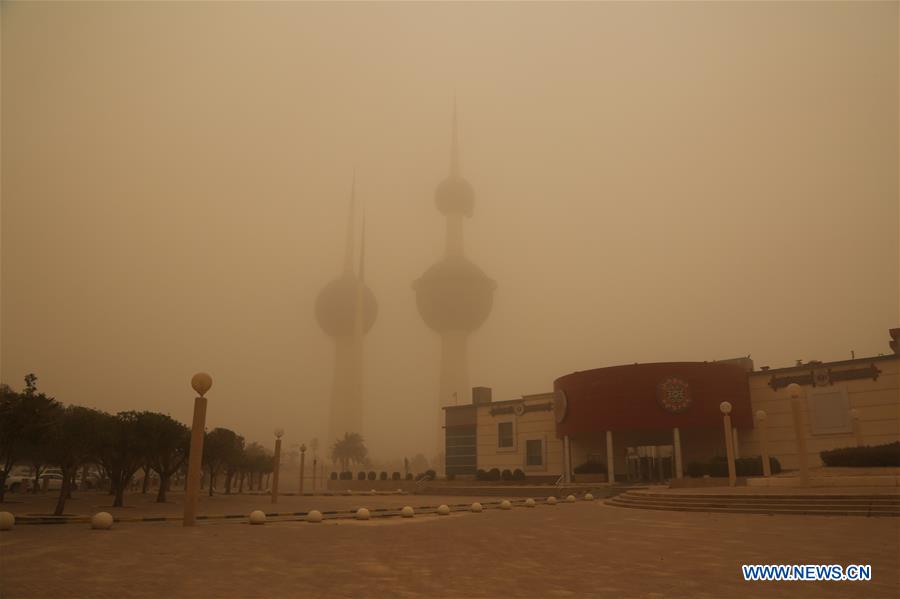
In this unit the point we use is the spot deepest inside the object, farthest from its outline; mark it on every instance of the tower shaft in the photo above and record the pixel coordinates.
(454, 381)
(346, 387)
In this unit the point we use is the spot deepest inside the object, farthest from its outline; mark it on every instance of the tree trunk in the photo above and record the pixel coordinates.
(212, 483)
(2, 486)
(146, 484)
(71, 483)
(63, 494)
(229, 476)
(37, 479)
(163, 487)
(120, 493)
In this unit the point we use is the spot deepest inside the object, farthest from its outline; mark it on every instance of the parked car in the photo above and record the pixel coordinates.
(18, 483)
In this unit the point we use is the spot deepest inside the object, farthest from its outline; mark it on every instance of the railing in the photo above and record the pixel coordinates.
(559, 481)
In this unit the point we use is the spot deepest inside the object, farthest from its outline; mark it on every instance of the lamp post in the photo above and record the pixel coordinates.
(276, 463)
(201, 382)
(302, 465)
(857, 427)
(725, 407)
(764, 442)
(315, 461)
(796, 392)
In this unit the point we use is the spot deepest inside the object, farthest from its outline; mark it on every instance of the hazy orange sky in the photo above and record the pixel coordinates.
(654, 182)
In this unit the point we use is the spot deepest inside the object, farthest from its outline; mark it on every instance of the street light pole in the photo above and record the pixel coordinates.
(725, 407)
(201, 382)
(276, 463)
(302, 465)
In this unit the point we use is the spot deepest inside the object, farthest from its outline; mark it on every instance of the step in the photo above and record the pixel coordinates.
(749, 499)
(757, 509)
(768, 496)
(764, 506)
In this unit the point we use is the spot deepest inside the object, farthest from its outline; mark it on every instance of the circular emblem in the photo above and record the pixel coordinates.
(673, 395)
(560, 405)
(519, 409)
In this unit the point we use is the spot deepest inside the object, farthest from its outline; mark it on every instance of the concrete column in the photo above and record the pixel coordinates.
(764, 441)
(610, 458)
(676, 441)
(737, 446)
(725, 407)
(195, 462)
(800, 434)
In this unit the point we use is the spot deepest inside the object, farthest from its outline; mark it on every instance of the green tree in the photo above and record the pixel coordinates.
(167, 446)
(123, 446)
(72, 442)
(25, 419)
(219, 449)
(350, 449)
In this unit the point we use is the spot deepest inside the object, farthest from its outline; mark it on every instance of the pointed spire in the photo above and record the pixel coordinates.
(454, 144)
(351, 218)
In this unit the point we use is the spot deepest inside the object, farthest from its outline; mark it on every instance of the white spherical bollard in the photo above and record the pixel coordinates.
(476, 507)
(348, 492)
(588, 497)
(443, 510)
(362, 514)
(551, 500)
(570, 499)
(257, 517)
(530, 502)
(7, 521)
(313, 516)
(102, 521)
(373, 492)
(407, 512)
(505, 505)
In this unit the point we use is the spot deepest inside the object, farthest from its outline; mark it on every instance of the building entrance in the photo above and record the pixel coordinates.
(650, 463)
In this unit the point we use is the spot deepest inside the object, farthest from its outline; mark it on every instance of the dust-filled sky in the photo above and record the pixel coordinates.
(654, 182)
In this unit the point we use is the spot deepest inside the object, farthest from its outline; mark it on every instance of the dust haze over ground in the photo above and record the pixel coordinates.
(654, 182)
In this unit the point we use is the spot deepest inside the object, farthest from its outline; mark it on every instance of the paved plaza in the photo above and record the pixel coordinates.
(569, 550)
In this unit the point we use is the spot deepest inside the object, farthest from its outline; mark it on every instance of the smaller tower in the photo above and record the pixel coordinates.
(346, 310)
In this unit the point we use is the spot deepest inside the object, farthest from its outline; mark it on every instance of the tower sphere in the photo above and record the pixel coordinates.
(454, 195)
(454, 295)
(336, 306)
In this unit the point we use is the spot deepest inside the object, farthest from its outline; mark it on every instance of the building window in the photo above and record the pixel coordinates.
(534, 452)
(505, 434)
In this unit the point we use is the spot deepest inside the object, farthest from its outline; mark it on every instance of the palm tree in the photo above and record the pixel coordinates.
(349, 449)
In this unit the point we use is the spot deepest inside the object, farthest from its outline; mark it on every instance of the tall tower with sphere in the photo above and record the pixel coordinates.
(454, 296)
(346, 310)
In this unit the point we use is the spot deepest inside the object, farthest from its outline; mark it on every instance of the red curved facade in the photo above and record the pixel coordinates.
(635, 397)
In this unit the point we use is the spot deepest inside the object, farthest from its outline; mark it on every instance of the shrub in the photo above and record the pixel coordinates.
(591, 468)
(861, 457)
(518, 474)
(334, 476)
(431, 474)
(506, 474)
(494, 474)
(382, 475)
(372, 475)
(346, 475)
(409, 476)
(360, 475)
(395, 476)
(451, 476)
(481, 475)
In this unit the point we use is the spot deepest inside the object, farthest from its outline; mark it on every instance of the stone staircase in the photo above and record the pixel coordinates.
(758, 503)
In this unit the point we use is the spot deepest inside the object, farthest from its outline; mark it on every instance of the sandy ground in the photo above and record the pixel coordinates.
(569, 550)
